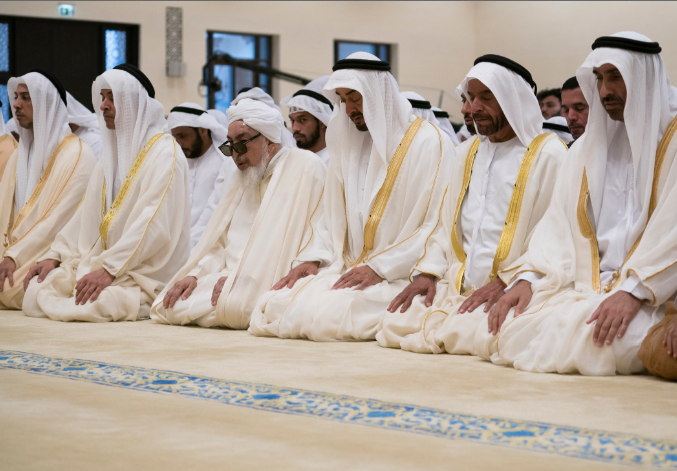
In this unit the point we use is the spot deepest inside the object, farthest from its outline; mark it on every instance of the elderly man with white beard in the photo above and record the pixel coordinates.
(199, 134)
(131, 232)
(602, 264)
(309, 113)
(501, 186)
(256, 230)
(44, 180)
(386, 180)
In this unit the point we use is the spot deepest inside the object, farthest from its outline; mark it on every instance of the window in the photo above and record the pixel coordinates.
(239, 46)
(4, 70)
(116, 48)
(343, 49)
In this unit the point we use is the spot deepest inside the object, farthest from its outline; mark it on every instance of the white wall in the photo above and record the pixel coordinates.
(436, 41)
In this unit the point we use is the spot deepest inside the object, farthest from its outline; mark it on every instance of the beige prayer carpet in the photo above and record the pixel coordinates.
(143, 396)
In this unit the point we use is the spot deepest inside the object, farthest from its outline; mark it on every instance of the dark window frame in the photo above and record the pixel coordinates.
(347, 41)
(211, 98)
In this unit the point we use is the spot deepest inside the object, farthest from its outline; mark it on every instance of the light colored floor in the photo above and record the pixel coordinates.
(50, 421)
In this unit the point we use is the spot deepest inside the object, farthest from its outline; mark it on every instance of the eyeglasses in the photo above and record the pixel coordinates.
(240, 147)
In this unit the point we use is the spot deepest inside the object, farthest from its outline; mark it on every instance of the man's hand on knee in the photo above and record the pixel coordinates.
(488, 295)
(90, 286)
(670, 340)
(217, 290)
(181, 289)
(423, 284)
(518, 297)
(7, 267)
(301, 271)
(41, 270)
(360, 278)
(613, 316)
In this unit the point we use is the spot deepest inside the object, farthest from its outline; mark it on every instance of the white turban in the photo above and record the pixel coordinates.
(259, 95)
(258, 116)
(514, 94)
(205, 120)
(317, 108)
(138, 118)
(558, 122)
(650, 106)
(50, 126)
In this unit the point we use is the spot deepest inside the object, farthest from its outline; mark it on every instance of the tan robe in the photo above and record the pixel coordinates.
(142, 240)
(252, 238)
(7, 147)
(439, 328)
(55, 198)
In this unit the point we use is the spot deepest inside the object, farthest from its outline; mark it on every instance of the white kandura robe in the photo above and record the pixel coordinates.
(252, 239)
(481, 223)
(147, 242)
(324, 155)
(221, 187)
(311, 309)
(52, 203)
(202, 174)
(92, 138)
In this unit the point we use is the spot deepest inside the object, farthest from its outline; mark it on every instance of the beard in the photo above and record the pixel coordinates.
(251, 176)
(308, 142)
(617, 113)
(360, 127)
(496, 123)
(195, 150)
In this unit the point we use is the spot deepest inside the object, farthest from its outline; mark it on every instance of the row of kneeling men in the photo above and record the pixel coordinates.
(507, 246)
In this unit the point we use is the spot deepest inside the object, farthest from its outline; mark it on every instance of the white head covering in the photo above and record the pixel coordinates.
(205, 120)
(320, 110)
(138, 118)
(256, 115)
(650, 105)
(220, 117)
(386, 112)
(3, 128)
(424, 113)
(259, 95)
(10, 126)
(559, 121)
(445, 125)
(80, 115)
(50, 126)
(514, 94)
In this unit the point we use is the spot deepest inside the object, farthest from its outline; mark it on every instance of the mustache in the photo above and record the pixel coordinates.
(611, 100)
(297, 133)
(356, 114)
(480, 115)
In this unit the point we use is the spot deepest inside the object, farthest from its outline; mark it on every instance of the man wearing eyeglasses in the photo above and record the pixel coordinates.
(255, 231)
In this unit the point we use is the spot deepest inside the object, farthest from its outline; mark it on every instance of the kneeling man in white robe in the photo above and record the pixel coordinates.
(132, 230)
(602, 263)
(501, 186)
(387, 176)
(44, 180)
(256, 230)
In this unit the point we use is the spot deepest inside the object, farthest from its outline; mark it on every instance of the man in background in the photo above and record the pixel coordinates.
(574, 108)
(550, 102)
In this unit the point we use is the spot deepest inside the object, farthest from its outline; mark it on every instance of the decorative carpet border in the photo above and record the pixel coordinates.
(525, 435)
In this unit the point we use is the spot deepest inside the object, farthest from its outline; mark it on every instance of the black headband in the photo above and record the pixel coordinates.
(138, 75)
(556, 127)
(441, 114)
(510, 65)
(627, 44)
(364, 64)
(244, 89)
(317, 96)
(185, 109)
(421, 104)
(52, 78)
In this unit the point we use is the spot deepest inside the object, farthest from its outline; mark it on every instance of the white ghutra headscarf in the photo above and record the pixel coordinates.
(317, 108)
(138, 117)
(650, 105)
(50, 127)
(514, 94)
(204, 120)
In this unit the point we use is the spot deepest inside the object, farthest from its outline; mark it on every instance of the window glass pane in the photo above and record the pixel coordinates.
(4, 49)
(225, 96)
(383, 52)
(263, 80)
(346, 49)
(116, 48)
(238, 46)
(263, 47)
(6, 115)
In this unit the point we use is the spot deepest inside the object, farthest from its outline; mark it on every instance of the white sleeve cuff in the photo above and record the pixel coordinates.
(529, 276)
(635, 287)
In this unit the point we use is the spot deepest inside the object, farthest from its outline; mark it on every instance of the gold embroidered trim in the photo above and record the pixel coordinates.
(588, 231)
(661, 150)
(432, 190)
(383, 194)
(426, 320)
(124, 190)
(171, 177)
(512, 278)
(43, 181)
(510, 226)
(310, 223)
(456, 242)
(425, 245)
